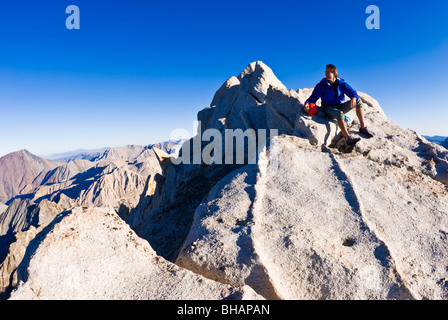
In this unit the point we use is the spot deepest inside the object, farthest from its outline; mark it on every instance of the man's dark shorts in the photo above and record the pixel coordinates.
(337, 111)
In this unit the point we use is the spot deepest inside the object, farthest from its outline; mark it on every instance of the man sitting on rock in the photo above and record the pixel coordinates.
(332, 91)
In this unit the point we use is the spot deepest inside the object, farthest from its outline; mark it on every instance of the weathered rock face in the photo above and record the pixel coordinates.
(362, 226)
(313, 224)
(220, 244)
(92, 254)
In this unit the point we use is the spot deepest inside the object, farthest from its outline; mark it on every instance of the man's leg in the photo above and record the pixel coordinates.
(338, 114)
(360, 114)
(347, 106)
(343, 126)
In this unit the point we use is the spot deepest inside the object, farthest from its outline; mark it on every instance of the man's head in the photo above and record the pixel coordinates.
(331, 71)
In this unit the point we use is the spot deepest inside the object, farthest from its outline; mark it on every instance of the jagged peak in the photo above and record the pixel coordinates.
(255, 67)
(260, 72)
(22, 152)
(25, 154)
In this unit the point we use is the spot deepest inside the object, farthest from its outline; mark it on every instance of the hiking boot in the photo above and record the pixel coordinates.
(351, 140)
(366, 132)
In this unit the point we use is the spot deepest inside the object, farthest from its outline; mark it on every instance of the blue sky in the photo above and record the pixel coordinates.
(137, 70)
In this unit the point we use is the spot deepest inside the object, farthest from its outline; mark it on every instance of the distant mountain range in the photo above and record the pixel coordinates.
(101, 153)
(25, 175)
(86, 154)
(436, 139)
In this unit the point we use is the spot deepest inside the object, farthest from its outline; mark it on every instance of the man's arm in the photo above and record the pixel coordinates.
(317, 92)
(349, 91)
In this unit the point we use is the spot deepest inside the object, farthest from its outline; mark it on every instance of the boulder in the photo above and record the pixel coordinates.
(92, 254)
